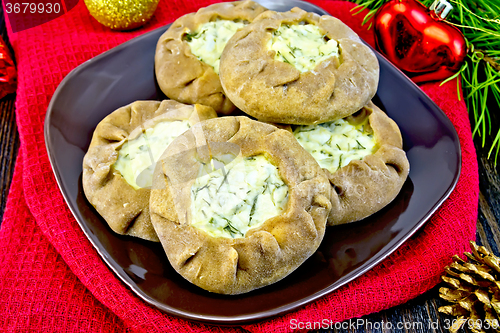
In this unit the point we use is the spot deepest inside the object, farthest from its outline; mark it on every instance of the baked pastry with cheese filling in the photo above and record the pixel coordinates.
(298, 68)
(238, 204)
(187, 54)
(363, 157)
(119, 164)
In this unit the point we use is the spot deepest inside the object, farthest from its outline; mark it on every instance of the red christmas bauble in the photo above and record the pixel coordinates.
(418, 41)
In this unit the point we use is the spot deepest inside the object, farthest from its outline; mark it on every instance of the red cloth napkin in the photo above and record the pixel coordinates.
(52, 279)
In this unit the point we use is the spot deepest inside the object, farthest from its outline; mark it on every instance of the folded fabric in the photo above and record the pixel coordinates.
(52, 279)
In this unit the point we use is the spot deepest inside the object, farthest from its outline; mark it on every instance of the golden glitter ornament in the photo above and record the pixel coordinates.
(122, 14)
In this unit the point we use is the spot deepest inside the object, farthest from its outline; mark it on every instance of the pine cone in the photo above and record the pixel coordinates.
(474, 290)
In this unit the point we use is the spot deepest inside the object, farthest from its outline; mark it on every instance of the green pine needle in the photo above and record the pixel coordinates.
(479, 21)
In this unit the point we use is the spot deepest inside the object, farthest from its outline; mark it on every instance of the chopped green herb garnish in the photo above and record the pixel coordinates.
(231, 229)
(189, 36)
(201, 188)
(360, 144)
(252, 210)
(284, 59)
(224, 180)
(237, 207)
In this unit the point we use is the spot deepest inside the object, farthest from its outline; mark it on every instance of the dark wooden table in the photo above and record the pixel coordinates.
(417, 315)
(9, 137)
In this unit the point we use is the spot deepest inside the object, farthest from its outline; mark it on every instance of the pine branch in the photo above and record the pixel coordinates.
(479, 21)
(492, 61)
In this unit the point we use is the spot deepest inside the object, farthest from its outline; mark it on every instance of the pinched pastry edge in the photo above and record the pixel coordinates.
(274, 91)
(180, 75)
(363, 187)
(268, 252)
(125, 209)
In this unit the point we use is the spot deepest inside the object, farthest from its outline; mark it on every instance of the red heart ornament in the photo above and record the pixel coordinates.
(418, 41)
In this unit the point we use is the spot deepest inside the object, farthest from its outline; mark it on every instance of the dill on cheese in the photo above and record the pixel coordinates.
(209, 40)
(302, 45)
(228, 199)
(333, 145)
(137, 158)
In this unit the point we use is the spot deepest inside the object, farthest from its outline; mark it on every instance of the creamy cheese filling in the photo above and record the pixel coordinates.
(335, 144)
(237, 196)
(302, 45)
(137, 158)
(209, 40)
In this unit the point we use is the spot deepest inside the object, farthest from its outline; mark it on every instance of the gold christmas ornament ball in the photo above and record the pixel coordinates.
(122, 14)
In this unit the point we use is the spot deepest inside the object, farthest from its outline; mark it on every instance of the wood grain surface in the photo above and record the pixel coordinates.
(417, 315)
(9, 137)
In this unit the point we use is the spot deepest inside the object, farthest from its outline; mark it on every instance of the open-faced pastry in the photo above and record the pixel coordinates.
(238, 204)
(298, 68)
(119, 164)
(363, 157)
(188, 53)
